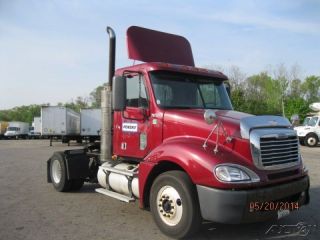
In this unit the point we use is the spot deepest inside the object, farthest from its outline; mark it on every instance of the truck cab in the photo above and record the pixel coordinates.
(156, 93)
(309, 133)
(17, 130)
(171, 139)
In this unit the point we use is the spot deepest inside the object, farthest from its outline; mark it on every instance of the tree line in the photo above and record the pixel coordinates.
(277, 91)
(27, 113)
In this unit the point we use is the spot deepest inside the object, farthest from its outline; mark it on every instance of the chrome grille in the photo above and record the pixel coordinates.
(276, 151)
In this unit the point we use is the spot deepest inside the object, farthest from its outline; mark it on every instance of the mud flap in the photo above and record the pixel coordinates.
(48, 171)
(77, 164)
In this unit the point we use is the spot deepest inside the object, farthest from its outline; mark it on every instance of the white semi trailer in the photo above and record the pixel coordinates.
(60, 122)
(35, 129)
(90, 123)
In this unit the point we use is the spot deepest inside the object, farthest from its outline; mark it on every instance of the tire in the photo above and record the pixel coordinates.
(76, 184)
(174, 204)
(311, 140)
(301, 141)
(58, 173)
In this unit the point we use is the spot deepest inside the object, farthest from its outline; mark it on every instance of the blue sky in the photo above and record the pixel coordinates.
(53, 51)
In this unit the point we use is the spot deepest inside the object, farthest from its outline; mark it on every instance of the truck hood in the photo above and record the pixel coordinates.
(302, 131)
(191, 122)
(299, 128)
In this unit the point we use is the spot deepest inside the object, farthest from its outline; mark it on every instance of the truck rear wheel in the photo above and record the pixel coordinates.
(311, 140)
(174, 204)
(58, 173)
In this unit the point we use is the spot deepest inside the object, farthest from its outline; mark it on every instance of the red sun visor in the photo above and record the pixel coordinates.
(153, 46)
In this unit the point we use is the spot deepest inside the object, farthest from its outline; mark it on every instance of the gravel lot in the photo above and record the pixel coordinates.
(31, 209)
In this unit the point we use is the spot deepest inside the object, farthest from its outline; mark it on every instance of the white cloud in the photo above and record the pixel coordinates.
(265, 22)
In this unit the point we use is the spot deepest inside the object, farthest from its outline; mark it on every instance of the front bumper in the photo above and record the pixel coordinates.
(232, 206)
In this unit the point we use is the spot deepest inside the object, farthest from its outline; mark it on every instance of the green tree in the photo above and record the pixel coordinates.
(295, 89)
(297, 106)
(78, 104)
(22, 113)
(263, 94)
(95, 97)
(311, 89)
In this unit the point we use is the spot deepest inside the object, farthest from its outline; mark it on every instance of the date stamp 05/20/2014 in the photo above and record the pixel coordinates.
(273, 206)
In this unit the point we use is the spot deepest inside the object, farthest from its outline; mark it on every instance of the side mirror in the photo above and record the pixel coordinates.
(119, 93)
(210, 116)
(228, 88)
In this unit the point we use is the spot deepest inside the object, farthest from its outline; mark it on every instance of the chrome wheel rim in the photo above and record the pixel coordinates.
(56, 171)
(169, 205)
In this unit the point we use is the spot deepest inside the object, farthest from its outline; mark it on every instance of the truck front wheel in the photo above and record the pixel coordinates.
(58, 173)
(311, 140)
(174, 204)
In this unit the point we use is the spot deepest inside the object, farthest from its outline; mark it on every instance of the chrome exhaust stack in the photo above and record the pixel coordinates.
(106, 104)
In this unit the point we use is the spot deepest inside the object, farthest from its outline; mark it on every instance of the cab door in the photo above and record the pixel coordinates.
(131, 126)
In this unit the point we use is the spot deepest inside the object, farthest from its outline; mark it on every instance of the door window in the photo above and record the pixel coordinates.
(136, 92)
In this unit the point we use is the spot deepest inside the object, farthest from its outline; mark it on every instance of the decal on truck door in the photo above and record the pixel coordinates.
(130, 127)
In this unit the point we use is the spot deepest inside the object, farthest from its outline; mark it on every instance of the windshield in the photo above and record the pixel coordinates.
(13, 129)
(313, 121)
(306, 121)
(175, 90)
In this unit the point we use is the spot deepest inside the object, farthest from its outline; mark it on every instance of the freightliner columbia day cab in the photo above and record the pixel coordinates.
(171, 140)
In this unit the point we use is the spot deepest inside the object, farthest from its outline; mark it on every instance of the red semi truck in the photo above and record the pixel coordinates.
(171, 140)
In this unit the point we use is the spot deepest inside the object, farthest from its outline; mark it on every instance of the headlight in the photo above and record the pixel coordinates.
(304, 167)
(233, 173)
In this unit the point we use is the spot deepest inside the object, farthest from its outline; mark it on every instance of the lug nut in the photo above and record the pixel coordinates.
(161, 211)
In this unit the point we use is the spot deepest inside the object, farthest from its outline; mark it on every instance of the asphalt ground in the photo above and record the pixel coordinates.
(30, 208)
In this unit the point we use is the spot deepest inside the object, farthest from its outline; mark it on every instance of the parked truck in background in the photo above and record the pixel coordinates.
(3, 128)
(309, 132)
(35, 129)
(17, 130)
(171, 140)
(90, 123)
(60, 122)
